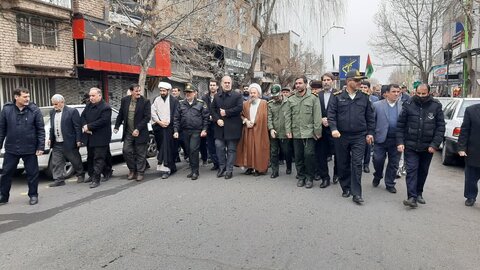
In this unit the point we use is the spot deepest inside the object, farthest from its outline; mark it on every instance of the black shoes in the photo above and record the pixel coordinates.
(469, 202)
(309, 183)
(228, 175)
(357, 199)
(274, 175)
(88, 180)
(376, 182)
(220, 173)
(3, 199)
(301, 183)
(420, 199)
(214, 168)
(190, 175)
(366, 169)
(248, 172)
(288, 171)
(410, 202)
(33, 200)
(165, 175)
(346, 193)
(107, 176)
(317, 177)
(194, 176)
(391, 189)
(57, 183)
(325, 183)
(335, 179)
(94, 184)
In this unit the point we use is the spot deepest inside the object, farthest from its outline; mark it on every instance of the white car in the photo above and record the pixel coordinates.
(116, 144)
(453, 113)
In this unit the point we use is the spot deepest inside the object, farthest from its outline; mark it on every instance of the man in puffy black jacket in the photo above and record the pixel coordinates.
(420, 131)
(22, 129)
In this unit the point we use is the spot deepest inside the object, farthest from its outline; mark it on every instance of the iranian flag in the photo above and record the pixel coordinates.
(369, 68)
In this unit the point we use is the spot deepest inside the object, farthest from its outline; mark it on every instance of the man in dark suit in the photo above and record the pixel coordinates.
(469, 147)
(367, 89)
(210, 140)
(134, 114)
(386, 111)
(225, 110)
(326, 147)
(163, 112)
(97, 130)
(64, 140)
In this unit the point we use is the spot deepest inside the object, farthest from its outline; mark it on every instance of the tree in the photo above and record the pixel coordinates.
(151, 22)
(265, 12)
(410, 29)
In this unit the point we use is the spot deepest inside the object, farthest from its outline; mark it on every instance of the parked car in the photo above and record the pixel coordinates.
(444, 100)
(454, 112)
(44, 161)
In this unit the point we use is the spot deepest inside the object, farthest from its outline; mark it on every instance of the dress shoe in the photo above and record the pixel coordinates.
(420, 199)
(140, 177)
(214, 168)
(248, 172)
(80, 179)
(194, 176)
(288, 171)
(301, 183)
(274, 175)
(107, 176)
(88, 180)
(220, 173)
(325, 183)
(410, 202)
(94, 184)
(346, 193)
(131, 175)
(33, 200)
(204, 163)
(190, 175)
(391, 189)
(357, 199)
(256, 173)
(57, 183)
(376, 182)
(3, 199)
(228, 175)
(309, 183)
(469, 202)
(335, 179)
(317, 177)
(165, 175)
(366, 169)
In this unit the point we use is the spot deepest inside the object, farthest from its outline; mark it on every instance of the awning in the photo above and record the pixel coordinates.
(179, 79)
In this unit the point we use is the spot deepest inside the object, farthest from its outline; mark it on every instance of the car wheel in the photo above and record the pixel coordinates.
(152, 146)
(448, 158)
(68, 170)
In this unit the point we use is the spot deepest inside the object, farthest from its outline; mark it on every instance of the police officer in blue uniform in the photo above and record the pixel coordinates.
(351, 119)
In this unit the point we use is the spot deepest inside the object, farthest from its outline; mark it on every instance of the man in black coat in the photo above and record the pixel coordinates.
(134, 114)
(22, 129)
(469, 147)
(97, 130)
(210, 140)
(420, 131)
(65, 140)
(225, 110)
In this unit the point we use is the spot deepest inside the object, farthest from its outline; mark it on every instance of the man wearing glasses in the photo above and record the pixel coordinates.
(351, 119)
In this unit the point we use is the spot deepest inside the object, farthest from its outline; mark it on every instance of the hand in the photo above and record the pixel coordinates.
(250, 124)
(369, 139)
(273, 133)
(79, 144)
(431, 150)
(175, 135)
(203, 133)
(289, 135)
(85, 129)
(223, 113)
(135, 133)
(49, 142)
(462, 153)
(220, 122)
(325, 122)
(115, 130)
(401, 148)
(39, 153)
(317, 137)
(336, 134)
(210, 118)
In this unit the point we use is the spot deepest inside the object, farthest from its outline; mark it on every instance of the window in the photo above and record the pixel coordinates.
(36, 30)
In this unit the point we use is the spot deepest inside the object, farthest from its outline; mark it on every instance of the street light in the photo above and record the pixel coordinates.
(323, 38)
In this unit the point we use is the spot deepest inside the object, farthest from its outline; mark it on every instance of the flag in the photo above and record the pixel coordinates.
(369, 68)
(333, 61)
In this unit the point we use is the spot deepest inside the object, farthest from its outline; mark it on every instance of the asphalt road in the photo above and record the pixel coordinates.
(243, 223)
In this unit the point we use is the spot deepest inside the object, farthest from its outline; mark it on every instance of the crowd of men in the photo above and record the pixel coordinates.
(309, 126)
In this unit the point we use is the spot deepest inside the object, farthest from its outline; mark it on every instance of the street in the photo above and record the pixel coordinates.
(243, 223)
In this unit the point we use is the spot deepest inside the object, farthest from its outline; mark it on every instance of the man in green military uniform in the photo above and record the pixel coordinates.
(303, 123)
(277, 108)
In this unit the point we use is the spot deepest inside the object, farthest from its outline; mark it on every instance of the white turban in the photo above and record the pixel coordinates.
(165, 85)
(256, 86)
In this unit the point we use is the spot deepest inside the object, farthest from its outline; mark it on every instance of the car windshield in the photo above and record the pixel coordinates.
(465, 104)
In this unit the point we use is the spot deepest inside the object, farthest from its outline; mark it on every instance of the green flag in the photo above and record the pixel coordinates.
(369, 68)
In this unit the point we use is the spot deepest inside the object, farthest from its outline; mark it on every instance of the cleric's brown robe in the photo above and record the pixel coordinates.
(253, 150)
